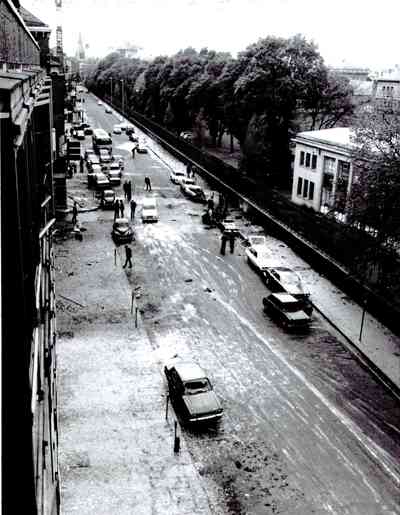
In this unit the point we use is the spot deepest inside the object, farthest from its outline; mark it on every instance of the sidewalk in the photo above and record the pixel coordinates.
(115, 445)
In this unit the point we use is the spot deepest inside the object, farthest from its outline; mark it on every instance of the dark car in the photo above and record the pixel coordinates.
(88, 131)
(122, 231)
(107, 199)
(287, 311)
(192, 393)
(129, 129)
(133, 138)
(283, 279)
(194, 192)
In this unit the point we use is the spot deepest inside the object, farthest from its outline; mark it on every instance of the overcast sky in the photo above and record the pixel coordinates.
(352, 32)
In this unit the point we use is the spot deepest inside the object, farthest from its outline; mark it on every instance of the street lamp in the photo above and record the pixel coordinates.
(111, 91)
(362, 319)
(123, 96)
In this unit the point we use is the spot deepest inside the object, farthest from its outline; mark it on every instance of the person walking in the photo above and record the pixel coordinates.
(129, 191)
(121, 208)
(116, 209)
(133, 151)
(133, 208)
(74, 213)
(232, 242)
(128, 257)
(147, 183)
(125, 188)
(188, 169)
(224, 239)
(81, 164)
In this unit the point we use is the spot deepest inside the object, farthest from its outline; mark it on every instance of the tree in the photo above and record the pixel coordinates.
(374, 202)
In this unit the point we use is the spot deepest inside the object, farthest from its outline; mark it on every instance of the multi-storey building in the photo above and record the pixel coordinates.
(27, 157)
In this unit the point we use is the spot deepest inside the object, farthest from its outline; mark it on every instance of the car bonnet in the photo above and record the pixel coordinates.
(201, 403)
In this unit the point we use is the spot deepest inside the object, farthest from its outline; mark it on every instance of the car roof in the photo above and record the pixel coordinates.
(283, 297)
(188, 370)
(109, 192)
(121, 221)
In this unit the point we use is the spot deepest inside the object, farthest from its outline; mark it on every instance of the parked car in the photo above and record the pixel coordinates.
(101, 181)
(141, 149)
(186, 181)
(187, 136)
(176, 176)
(228, 225)
(80, 134)
(108, 109)
(104, 156)
(284, 279)
(91, 161)
(286, 310)
(133, 138)
(258, 254)
(194, 192)
(88, 131)
(117, 129)
(149, 210)
(117, 158)
(99, 102)
(129, 129)
(122, 231)
(89, 152)
(114, 175)
(92, 172)
(107, 199)
(192, 392)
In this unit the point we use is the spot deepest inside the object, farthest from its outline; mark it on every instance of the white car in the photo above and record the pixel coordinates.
(258, 255)
(99, 103)
(149, 210)
(117, 129)
(185, 181)
(176, 176)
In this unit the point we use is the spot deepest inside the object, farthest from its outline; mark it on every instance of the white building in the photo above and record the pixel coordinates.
(322, 172)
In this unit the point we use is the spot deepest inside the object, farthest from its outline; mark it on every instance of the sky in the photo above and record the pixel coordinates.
(347, 32)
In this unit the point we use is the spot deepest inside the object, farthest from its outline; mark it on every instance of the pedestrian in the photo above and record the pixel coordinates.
(133, 151)
(133, 208)
(81, 164)
(224, 239)
(129, 191)
(121, 208)
(194, 172)
(188, 169)
(116, 209)
(74, 213)
(128, 257)
(232, 242)
(125, 188)
(210, 202)
(147, 183)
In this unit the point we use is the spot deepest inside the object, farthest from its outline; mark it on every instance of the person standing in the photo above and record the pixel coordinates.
(116, 209)
(232, 242)
(133, 151)
(224, 239)
(133, 208)
(129, 191)
(147, 183)
(189, 169)
(125, 188)
(81, 164)
(74, 213)
(128, 257)
(121, 208)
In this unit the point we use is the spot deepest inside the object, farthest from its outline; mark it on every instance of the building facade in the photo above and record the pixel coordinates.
(322, 170)
(29, 366)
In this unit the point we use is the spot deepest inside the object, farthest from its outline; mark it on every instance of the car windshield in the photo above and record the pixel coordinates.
(121, 225)
(288, 277)
(197, 386)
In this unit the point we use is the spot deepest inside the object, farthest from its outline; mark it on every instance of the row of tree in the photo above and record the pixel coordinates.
(262, 98)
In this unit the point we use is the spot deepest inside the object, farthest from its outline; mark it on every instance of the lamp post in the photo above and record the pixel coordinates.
(123, 95)
(111, 91)
(362, 319)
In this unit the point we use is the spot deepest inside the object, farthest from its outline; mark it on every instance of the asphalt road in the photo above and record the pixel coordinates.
(306, 429)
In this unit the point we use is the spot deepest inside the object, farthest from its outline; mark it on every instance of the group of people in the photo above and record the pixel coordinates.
(227, 236)
(119, 208)
(127, 187)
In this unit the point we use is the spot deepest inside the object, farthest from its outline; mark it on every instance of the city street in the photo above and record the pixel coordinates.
(305, 428)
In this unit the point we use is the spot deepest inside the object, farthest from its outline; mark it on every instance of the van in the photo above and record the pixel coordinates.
(149, 210)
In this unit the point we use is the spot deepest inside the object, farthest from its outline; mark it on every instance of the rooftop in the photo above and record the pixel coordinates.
(31, 21)
(336, 136)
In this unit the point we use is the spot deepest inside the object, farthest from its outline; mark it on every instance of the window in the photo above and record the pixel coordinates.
(329, 165)
(301, 158)
(311, 191)
(299, 185)
(314, 161)
(308, 156)
(305, 190)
